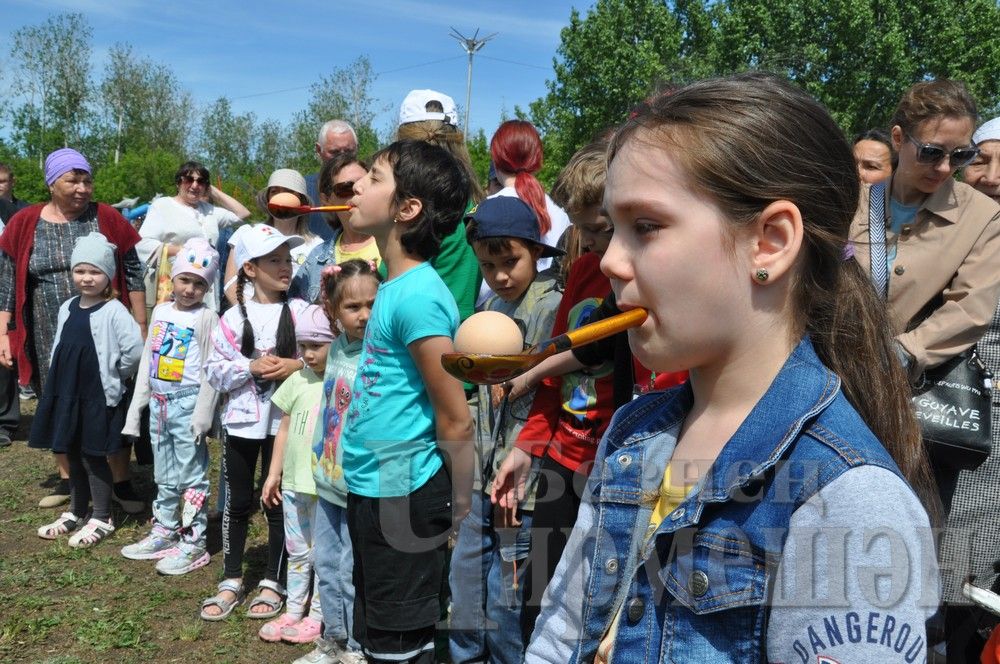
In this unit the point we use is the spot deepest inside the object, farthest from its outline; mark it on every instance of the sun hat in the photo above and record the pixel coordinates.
(414, 108)
(290, 179)
(509, 216)
(197, 257)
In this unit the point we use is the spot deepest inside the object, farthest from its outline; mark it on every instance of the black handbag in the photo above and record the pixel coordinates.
(953, 404)
(952, 401)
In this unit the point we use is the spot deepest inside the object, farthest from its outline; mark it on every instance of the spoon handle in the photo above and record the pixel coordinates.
(586, 334)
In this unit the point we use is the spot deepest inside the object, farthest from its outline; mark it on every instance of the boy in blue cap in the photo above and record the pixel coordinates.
(486, 604)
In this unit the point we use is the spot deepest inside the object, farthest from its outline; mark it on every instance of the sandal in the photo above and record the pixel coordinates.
(92, 533)
(225, 607)
(272, 629)
(274, 605)
(66, 522)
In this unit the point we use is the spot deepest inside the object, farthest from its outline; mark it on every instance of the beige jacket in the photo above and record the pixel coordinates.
(944, 284)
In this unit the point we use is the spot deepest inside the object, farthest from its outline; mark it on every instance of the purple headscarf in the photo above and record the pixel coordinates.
(62, 161)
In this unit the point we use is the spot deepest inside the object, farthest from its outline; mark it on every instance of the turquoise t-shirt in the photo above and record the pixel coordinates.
(327, 452)
(389, 442)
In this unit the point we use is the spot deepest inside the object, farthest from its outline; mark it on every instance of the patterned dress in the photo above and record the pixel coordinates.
(971, 542)
(50, 283)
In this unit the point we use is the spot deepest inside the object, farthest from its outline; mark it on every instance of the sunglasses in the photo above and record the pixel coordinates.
(191, 179)
(344, 189)
(928, 153)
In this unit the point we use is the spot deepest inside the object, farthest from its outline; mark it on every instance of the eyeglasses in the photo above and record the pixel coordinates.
(344, 189)
(191, 179)
(928, 153)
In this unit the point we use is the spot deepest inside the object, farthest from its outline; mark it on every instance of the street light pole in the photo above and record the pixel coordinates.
(470, 45)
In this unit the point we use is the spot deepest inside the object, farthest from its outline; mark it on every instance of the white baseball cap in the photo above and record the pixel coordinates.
(414, 108)
(256, 240)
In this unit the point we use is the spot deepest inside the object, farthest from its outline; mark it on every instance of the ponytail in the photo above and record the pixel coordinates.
(529, 190)
(517, 148)
(247, 340)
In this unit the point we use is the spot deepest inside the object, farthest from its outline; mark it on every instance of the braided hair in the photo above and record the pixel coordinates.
(285, 345)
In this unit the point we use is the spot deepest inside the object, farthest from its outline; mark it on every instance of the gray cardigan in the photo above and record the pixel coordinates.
(117, 340)
(204, 409)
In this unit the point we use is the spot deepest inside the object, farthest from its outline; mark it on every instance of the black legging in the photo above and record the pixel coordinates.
(89, 479)
(239, 465)
(556, 504)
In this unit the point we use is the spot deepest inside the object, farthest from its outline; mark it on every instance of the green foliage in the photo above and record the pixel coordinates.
(343, 95)
(479, 153)
(606, 63)
(141, 173)
(855, 56)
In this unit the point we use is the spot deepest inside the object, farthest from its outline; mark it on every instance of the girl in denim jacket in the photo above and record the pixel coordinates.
(767, 510)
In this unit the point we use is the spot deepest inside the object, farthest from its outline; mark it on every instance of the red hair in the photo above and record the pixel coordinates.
(516, 148)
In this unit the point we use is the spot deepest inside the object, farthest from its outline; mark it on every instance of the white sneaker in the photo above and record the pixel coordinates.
(353, 657)
(327, 651)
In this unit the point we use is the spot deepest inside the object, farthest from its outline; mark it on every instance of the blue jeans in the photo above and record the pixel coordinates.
(180, 462)
(485, 606)
(333, 563)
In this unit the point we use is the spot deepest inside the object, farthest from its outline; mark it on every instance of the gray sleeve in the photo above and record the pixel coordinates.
(6, 282)
(858, 576)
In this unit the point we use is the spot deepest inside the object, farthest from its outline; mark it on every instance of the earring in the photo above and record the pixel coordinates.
(761, 274)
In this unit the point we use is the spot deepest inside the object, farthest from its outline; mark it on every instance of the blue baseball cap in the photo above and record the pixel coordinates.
(509, 216)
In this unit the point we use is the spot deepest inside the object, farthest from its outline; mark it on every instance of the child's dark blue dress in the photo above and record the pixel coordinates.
(73, 410)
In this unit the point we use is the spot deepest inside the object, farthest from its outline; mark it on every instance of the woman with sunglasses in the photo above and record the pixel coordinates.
(942, 245)
(336, 186)
(172, 221)
(943, 265)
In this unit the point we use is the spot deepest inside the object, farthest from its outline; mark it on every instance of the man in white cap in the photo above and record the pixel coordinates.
(335, 137)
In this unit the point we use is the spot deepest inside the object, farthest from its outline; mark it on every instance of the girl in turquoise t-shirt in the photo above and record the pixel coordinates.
(347, 295)
(290, 481)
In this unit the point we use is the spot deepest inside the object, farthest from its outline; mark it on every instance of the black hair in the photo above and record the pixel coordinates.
(879, 136)
(189, 167)
(285, 344)
(432, 175)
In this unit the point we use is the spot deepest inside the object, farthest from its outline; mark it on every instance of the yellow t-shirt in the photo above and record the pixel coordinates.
(369, 252)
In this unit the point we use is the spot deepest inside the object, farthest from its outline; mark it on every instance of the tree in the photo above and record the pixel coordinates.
(855, 56)
(53, 70)
(142, 104)
(227, 140)
(346, 95)
(605, 64)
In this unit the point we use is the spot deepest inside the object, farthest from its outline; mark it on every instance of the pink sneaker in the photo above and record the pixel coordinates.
(271, 631)
(306, 630)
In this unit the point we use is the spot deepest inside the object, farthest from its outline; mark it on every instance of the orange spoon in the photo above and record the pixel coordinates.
(483, 369)
(296, 210)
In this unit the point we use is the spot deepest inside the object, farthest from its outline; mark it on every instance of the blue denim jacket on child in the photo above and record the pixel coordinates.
(710, 599)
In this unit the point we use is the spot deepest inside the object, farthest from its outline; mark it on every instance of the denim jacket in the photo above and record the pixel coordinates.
(308, 280)
(699, 587)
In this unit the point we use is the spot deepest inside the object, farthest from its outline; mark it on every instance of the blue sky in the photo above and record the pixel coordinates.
(249, 50)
